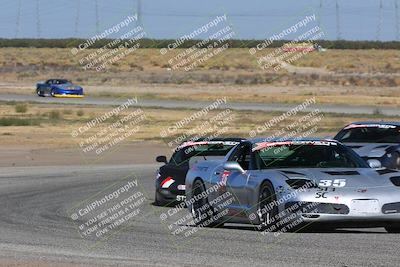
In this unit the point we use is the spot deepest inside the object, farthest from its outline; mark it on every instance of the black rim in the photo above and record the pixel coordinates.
(266, 213)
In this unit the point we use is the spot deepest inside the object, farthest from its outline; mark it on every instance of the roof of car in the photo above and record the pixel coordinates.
(275, 140)
(395, 123)
(223, 139)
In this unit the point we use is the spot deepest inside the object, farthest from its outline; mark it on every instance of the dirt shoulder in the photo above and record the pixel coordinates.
(132, 153)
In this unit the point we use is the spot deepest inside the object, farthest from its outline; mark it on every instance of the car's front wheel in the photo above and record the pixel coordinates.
(39, 93)
(202, 212)
(159, 200)
(268, 210)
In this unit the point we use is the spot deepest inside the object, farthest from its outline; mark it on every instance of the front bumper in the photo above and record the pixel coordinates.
(341, 215)
(169, 196)
(68, 96)
(68, 93)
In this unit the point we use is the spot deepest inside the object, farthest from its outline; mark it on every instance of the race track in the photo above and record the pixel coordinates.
(280, 107)
(35, 224)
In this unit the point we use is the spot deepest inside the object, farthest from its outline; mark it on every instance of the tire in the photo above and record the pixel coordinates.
(39, 93)
(393, 229)
(159, 201)
(201, 210)
(268, 216)
(52, 93)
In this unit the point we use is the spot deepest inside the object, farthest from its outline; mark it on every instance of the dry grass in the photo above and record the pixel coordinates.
(56, 131)
(233, 66)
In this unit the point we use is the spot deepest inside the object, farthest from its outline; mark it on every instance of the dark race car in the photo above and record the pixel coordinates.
(59, 88)
(377, 142)
(170, 178)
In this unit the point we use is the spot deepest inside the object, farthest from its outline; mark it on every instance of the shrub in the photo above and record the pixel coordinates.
(21, 108)
(80, 113)
(18, 122)
(54, 115)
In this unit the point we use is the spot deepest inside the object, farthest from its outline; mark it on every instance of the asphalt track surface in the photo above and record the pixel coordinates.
(341, 109)
(35, 223)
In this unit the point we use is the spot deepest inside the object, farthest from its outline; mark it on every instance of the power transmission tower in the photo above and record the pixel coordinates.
(77, 19)
(97, 16)
(320, 14)
(139, 12)
(338, 34)
(378, 31)
(17, 23)
(38, 26)
(396, 7)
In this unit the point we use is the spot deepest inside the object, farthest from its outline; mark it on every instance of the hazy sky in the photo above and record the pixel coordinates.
(252, 19)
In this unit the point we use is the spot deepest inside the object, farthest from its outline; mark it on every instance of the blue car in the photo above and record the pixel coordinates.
(59, 88)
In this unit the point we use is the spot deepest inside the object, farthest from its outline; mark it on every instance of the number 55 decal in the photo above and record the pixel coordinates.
(334, 183)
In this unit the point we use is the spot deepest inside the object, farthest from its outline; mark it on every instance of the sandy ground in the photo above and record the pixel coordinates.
(132, 153)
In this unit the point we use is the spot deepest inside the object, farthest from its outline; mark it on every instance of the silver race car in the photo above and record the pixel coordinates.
(287, 185)
(377, 142)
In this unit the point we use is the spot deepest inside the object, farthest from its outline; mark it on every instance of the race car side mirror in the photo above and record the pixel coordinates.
(233, 166)
(162, 159)
(374, 163)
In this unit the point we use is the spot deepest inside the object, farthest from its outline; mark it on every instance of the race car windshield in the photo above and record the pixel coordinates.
(307, 156)
(370, 135)
(207, 151)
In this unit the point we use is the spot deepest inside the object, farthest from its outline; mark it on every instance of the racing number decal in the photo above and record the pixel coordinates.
(320, 194)
(324, 186)
(334, 183)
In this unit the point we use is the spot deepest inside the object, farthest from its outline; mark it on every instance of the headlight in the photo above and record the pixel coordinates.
(395, 180)
(158, 174)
